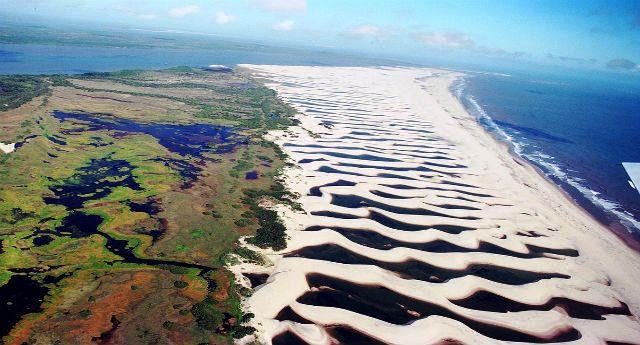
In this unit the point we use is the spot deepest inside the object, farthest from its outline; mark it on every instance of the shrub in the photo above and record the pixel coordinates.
(241, 331)
(180, 284)
(242, 222)
(271, 232)
(250, 255)
(207, 316)
(169, 325)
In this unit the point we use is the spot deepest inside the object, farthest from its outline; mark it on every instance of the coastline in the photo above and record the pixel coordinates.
(615, 236)
(625, 237)
(611, 213)
(524, 201)
(622, 233)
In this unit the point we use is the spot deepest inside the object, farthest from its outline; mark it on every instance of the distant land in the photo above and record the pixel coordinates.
(79, 49)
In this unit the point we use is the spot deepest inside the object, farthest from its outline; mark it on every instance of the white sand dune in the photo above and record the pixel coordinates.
(419, 228)
(7, 148)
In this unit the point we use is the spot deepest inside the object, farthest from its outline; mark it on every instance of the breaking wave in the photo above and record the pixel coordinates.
(552, 168)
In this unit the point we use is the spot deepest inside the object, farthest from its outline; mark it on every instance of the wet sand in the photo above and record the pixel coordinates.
(419, 228)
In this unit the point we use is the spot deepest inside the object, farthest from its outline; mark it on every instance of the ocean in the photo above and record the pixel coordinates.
(577, 131)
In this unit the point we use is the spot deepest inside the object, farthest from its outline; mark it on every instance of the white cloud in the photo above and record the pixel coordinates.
(365, 30)
(133, 12)
(223, 18)
(445, 39)
(285, 25)
(281, 5)
(179, 12)
(147, 16)
(368, 31)
(454, 40)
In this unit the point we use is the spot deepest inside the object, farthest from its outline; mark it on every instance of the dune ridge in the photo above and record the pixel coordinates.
(407, 199)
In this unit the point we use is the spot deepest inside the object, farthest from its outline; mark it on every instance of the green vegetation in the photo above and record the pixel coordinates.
(271, 232)
(162, 219)
(180, 284)
(18, 90)
(249, 255)
(169, 325)
(196, 233)
(207, 315)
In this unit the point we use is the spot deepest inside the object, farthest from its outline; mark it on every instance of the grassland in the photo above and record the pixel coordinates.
(151, 269)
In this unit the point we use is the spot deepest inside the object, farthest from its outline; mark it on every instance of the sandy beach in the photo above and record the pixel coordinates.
(418, 227)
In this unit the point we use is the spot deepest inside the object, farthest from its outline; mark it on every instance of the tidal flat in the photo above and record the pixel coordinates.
(124, 200)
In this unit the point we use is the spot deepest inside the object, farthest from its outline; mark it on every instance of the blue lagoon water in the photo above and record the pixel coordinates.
(60, 59)
(578, 132)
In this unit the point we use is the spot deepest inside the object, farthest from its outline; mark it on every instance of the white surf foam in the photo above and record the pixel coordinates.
(550, 166)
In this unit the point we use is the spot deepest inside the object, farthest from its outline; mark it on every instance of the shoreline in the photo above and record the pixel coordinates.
(473, 182)
(571, 204)
(609, 219)
(623, 234)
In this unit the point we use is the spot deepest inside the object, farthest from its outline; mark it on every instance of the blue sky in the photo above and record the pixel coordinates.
(574, 33)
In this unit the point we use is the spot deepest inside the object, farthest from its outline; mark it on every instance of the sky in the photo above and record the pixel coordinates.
(587, 33)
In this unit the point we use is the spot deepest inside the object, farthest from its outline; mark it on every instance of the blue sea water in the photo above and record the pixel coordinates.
(577, 131)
